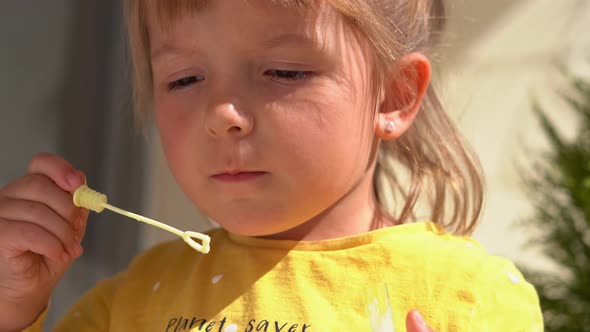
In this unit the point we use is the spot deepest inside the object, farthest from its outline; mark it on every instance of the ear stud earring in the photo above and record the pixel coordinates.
(390, 127)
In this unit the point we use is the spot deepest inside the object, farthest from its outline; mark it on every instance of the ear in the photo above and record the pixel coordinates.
(403, 96)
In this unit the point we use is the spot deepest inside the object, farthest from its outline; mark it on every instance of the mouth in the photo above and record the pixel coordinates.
(238, 176)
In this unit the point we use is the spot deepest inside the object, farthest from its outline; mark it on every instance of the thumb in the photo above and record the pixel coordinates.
(415, 322)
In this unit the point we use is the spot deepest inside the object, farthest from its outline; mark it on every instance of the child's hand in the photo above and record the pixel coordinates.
(40, 234)
(415, 323)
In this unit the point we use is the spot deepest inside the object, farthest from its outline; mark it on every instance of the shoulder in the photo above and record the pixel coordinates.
(506, 300)
(462, 257)
(499, 297)
(429, 244)
(437, 247)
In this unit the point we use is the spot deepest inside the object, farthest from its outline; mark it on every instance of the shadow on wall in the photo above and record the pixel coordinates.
(96, 135)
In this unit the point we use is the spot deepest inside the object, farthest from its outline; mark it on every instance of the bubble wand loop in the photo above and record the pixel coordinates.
(97, 202)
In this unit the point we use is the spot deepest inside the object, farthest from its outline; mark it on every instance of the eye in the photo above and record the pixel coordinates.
(184, 82)
(288, 75)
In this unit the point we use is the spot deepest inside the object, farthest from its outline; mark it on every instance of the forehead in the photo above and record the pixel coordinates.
(270, 16)
(168, 10)
(164, 13)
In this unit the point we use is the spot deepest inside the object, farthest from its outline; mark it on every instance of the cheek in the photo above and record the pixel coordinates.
(175, 113)
(325, 138)
(173, 127)
(166, 122)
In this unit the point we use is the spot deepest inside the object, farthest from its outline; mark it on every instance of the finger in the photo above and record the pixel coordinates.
(41, 215)
(57, 169)
(83, 218)
(81, 224)
(19, 237)
(40, 188)
(82, 176)
(415, 322)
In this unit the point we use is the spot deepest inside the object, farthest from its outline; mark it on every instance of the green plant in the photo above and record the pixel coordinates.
(558, 186)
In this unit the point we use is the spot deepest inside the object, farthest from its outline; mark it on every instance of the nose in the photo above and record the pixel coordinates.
(225, 120)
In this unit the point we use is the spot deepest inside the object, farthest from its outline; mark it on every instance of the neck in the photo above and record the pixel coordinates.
(355, 213)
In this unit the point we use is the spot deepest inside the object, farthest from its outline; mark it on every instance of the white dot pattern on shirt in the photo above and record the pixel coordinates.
(216, 279)
(231, 328)
(514, 278)
(156, 286)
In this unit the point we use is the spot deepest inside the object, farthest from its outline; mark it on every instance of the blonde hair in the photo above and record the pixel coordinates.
(442, 171)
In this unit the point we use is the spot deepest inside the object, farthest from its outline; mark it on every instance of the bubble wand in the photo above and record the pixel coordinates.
(97, 202)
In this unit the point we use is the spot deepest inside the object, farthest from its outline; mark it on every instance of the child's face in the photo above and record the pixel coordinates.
(246, 86)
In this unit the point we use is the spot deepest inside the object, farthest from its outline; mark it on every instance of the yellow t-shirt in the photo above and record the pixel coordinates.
(366, 282)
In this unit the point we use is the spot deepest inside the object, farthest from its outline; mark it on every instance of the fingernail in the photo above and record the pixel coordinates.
(82, 176)
(73, 180)
(79, 250)
(420, 319)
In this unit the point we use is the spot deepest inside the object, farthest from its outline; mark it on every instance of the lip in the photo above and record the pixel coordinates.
(235, 177)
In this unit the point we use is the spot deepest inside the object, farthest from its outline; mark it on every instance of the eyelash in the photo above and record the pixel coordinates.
(184, 82)
(286, 75)
(289, 75)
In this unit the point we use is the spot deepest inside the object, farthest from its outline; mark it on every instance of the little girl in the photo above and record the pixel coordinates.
(309, 131)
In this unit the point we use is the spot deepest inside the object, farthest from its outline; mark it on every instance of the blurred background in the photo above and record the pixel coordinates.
(64, 88)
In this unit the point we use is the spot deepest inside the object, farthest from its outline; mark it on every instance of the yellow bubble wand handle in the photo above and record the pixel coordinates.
(97, 202)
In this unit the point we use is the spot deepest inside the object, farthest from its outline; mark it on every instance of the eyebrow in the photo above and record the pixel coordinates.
(288, 38)
(273, 42)
(166, 48)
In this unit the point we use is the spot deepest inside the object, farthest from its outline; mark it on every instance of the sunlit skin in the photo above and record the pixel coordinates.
(269, 124)
(266, 119)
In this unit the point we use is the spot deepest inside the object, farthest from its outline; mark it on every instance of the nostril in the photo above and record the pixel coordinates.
(228, 130)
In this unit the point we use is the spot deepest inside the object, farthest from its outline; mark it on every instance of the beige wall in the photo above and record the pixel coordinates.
(490, 83)
(489, 94)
